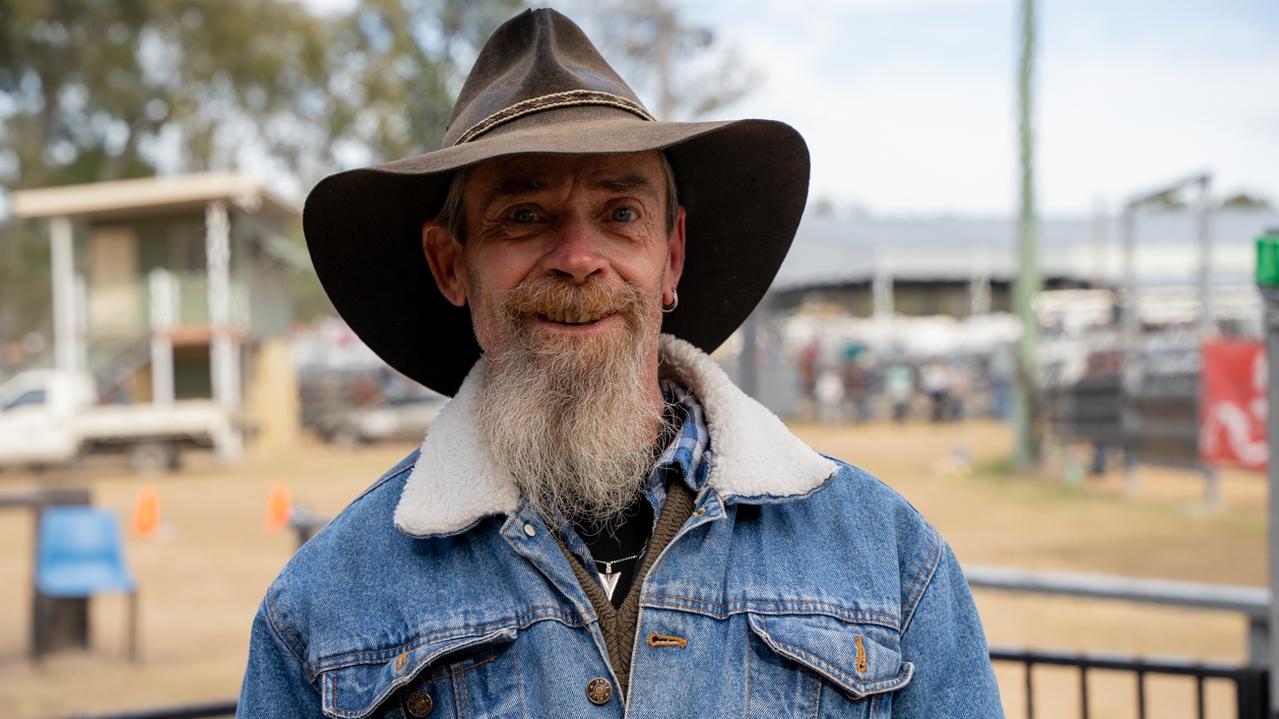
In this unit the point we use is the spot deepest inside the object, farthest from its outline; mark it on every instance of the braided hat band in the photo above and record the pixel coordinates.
(568, 98)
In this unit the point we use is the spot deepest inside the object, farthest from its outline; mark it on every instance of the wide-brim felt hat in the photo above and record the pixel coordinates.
(540, 86)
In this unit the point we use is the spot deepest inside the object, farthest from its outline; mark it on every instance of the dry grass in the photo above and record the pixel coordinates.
(201, 585)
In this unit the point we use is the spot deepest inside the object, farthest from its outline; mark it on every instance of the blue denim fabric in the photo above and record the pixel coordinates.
(841, 602)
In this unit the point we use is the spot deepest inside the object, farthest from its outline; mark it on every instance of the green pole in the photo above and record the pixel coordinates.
(1268, 285)
(1028, 282)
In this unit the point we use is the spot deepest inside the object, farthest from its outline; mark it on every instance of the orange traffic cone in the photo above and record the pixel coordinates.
(146, 513)
(278, 506)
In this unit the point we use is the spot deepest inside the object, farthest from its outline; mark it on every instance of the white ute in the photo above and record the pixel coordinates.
(49, 417)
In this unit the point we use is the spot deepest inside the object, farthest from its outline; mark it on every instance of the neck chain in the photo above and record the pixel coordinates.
(609, 578)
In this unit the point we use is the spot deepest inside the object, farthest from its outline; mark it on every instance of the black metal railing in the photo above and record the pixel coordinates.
(208, 710)
(1251, 683)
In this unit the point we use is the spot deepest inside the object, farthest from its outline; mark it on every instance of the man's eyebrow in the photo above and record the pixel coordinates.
(515, 186)
(626, 183)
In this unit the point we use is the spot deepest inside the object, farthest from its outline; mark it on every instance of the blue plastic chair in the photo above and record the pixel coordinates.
(82, 554)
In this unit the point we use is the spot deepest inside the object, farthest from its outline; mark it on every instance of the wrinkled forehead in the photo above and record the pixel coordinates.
(534, 172)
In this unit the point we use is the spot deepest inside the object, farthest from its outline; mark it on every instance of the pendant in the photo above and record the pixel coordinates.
(609, 580)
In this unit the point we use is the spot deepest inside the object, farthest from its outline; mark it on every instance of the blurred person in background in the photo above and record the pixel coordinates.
(855, 371)
(958, 388)
(830, 396)
(599, 520)
(899, 385)
(807, 365)
(935, 380)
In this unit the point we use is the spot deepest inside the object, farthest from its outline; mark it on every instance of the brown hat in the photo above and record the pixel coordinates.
(540, 86)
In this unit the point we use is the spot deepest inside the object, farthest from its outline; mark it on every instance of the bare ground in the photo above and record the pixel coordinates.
(202, 581)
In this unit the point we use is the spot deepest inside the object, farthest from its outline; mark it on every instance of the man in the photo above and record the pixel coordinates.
(599, 523)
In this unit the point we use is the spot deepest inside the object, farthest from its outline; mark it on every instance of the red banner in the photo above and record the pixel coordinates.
(1232, 404)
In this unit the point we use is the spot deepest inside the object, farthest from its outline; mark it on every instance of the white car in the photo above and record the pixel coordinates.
(50, 417)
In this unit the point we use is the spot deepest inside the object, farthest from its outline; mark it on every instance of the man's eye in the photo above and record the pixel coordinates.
(523, 214)
(624, 214)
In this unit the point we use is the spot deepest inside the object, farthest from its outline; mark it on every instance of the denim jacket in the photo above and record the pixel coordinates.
(799, 587)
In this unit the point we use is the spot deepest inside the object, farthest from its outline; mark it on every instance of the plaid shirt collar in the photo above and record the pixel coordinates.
(687, 448)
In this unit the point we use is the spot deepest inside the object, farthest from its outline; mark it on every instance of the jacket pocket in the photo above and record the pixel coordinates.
(815, 665)
(474, 676)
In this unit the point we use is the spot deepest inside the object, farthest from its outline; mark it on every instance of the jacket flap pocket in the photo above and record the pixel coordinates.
(355, 686)
(861, 659)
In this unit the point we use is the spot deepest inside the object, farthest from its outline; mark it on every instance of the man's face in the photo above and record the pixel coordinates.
(562, 248)
(565, 265)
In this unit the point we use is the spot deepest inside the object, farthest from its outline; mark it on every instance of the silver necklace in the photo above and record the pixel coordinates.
(609, 578)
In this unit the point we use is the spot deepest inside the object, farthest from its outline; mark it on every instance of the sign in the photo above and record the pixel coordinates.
(1232, 416)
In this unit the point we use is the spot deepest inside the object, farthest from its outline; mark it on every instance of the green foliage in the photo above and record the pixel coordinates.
(1246, 201)
(678, 65)
(1171, 200)
(94, 90)
(104, 89)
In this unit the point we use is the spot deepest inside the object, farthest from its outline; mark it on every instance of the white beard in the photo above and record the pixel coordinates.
(574, 422)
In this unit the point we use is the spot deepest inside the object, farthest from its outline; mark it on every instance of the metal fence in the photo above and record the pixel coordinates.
(1251, 697)
(1251, 680)
(1152, 419)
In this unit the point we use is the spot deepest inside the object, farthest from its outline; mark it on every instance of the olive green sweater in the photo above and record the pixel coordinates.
(618, 623)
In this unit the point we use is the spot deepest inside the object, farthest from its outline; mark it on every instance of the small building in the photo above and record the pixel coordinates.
(166, 288)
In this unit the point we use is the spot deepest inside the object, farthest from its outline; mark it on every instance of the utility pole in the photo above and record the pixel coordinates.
(1028, 282)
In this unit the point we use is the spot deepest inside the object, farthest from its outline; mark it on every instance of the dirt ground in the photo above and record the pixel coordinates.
(202, 578)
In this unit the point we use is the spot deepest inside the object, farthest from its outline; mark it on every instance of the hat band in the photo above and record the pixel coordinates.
(568, 98)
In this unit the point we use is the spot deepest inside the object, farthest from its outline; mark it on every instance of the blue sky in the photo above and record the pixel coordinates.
(909, 105)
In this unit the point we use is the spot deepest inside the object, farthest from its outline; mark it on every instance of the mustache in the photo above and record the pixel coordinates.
(551, 297)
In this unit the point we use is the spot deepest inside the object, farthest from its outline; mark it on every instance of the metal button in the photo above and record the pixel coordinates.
(419, 704)
(530, 530)
(599, 690)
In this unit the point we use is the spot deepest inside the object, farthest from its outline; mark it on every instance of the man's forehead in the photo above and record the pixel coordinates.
(544, 170)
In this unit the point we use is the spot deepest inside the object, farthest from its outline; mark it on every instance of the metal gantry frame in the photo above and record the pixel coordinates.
(1132, 372)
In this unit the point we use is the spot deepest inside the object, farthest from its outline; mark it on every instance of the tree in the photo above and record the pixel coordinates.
(1246, 201)
(675, 62)
(95, 90)
(103, 89)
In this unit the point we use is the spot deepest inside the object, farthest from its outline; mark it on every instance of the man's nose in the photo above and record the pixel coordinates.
(577, 254)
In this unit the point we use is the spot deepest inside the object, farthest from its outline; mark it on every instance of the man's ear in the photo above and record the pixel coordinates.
(447, 262)
(675, 254)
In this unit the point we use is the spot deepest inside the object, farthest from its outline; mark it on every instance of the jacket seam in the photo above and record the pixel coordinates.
(864, 687)
(720, 610)
(285, 632)
(453, 669)
(374, 656)
(404, 465)
(915, 599)
(275, 620)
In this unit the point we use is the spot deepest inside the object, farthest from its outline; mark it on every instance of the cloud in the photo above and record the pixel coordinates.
(929, 125)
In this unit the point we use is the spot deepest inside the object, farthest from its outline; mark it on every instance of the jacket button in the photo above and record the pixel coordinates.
(419, 704)
(599, 690)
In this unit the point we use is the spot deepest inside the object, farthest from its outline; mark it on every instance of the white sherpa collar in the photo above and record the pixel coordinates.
(455, 481)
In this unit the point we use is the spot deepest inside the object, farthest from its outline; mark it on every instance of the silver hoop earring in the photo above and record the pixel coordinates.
(674, 302)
